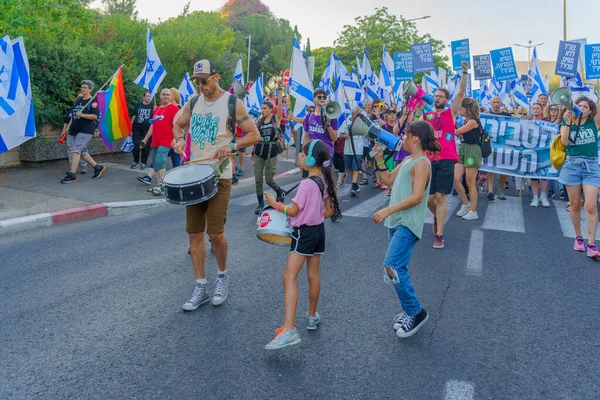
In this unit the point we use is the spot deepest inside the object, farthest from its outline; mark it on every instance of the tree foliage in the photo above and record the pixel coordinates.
(123, 7)
(234, 11)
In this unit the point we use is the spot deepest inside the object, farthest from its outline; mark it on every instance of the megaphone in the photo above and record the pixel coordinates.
(363, 126)
(333, 110)
(414, 92)
(564, 97)
(240, 91)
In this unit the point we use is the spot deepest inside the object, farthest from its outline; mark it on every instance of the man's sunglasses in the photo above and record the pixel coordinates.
(321, 97)
(198, 81)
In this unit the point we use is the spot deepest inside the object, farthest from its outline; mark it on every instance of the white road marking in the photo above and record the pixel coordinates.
(475, 257)
(451, 202)
(505, 215)
(565, 221)
(459, 390)
(367, 208)
(250, 199)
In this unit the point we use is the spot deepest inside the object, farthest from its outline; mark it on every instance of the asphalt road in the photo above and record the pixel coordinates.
(92, 310)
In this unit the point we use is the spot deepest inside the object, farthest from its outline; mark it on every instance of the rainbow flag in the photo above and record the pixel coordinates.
(114, 115)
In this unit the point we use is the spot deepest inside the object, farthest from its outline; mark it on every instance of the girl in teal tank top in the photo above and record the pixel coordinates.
(404, 218)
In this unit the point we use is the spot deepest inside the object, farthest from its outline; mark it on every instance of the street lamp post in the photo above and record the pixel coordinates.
(249, 37)
(529, 47)
(565, 20)
(416, 19)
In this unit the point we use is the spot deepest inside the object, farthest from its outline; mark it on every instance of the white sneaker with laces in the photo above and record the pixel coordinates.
(464, 209)
(471, 215)
(199, 297)
(544, 201)
(221, 289)
(535, 202)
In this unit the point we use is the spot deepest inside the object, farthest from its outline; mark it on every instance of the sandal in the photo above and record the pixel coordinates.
(363, 182)
(157, 191)
(376, 185)
(384, 187)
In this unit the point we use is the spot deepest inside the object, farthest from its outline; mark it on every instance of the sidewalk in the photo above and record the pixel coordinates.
(35, 189)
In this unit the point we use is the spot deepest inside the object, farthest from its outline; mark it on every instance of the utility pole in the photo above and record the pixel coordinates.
(249, 37)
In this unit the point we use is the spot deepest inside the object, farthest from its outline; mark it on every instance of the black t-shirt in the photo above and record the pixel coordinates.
(82, 125)
(473, 136)
(143, 112)
(69, 113)
(268, 136)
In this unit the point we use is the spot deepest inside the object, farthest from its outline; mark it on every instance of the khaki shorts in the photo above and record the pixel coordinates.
(469, 155)
(210, 216)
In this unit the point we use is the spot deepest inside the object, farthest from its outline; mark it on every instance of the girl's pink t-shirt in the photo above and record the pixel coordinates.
(309, 200)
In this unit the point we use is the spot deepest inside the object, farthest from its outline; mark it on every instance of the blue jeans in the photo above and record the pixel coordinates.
(401, 244)
(175, 158)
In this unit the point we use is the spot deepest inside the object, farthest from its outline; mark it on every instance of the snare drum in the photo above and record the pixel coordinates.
(274, 228)
(190, 184)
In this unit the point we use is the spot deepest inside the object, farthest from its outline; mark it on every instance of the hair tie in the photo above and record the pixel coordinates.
(326, 163)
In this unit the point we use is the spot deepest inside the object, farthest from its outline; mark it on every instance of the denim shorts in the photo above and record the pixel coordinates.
(352, 163)
(577, 171)
(159, 157)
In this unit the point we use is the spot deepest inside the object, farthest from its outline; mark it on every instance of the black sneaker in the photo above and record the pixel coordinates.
(98, 171)
(336, 217)
(354, 190)
(259, 208)
(70, 178)
(280, 195)
(134, 165)
(490, 196)
(408, 326)
(146, 180)
(234, 179)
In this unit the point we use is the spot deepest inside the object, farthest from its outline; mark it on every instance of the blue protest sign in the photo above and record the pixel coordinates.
(566, 61)
(482, 67)
(403, 66)
(422, 55)
(503, 63)
(592, 61)
(460, 53)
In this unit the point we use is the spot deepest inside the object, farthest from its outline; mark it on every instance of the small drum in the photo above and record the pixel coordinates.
(274, 228)
(190, 184)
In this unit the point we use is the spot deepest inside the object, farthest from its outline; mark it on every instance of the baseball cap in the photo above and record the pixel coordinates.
(205, 67)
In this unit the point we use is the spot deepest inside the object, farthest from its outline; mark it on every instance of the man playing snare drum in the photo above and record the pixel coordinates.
(211, 137)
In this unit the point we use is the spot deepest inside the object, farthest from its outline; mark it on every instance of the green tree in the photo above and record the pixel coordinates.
(124, 7)
(308, 50)
(234, 11)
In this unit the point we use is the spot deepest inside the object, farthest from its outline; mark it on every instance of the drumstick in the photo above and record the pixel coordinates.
(207, 159)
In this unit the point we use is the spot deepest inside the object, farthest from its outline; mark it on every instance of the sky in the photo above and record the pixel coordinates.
(487, 24)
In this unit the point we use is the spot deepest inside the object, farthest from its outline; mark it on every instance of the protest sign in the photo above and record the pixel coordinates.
(567, 59)
(592, 61)
(422, 55)
(460, 53)
(503, 63)
(403, 66)
(482, 67)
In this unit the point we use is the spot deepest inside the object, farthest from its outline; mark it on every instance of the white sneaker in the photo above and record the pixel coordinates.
(470, 215)
(199, 297)
(221, 290)
(464, 209)
(535, 202)
(544, 201)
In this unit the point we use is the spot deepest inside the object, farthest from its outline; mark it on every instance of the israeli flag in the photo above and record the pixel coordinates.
(127, 145)
(359, 69)
(538, 84)
(300, 85)
(254, 99)
(387, 65)
(238, 75)
(327, 78)
(186, 89)
(17, 122)
(505, 95)
(368, 77)
(431, 82)
(519, 94)
(484, 96)
(339, 97)
(353, 87)
(442, 77)
(384, 90)
(154, 72)
(453, 86)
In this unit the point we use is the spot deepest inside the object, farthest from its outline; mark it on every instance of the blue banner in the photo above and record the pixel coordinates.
(503, 63)
(521, 147)
(403, 66)
(482, 67)
(460, 53)
(567, 59)
(592, 61)
(422, 55)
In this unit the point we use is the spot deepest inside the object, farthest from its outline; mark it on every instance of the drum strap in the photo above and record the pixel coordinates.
(319, 183)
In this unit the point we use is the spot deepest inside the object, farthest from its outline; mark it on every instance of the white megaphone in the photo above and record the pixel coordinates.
(333, 110)
(363, 126)
(239, 89)
(413, 91)
(564, 97)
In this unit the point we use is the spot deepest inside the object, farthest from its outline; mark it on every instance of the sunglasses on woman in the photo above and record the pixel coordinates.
(554, 109)
(321, 97)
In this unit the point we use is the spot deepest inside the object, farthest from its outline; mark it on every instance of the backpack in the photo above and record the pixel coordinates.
(231, 110)
(319, 183)
(485, 144)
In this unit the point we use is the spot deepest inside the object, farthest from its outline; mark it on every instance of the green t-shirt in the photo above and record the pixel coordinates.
(586, 143)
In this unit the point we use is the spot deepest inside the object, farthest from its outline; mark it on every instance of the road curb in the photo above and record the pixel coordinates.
(31, 222)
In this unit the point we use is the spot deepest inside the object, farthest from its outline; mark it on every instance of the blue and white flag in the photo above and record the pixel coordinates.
(351, 83)
(154, 72)
(359, 69)
(385, 88)
(387, 66)
(186, 89)
(519, 93)
(339, 97)
(485, 96)
(538, 84)
(327, 78)
(453, 86)
(17, 122)
(369, 78)
(431, 82)
(254, 99)
(238, 75)
(300, 85)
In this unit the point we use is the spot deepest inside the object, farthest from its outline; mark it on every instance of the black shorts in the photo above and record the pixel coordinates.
(366, 151)
(308, 240)
(442, 177)
(338, 162)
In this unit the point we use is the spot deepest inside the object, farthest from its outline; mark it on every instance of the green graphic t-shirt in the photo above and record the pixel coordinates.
(586, 141)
